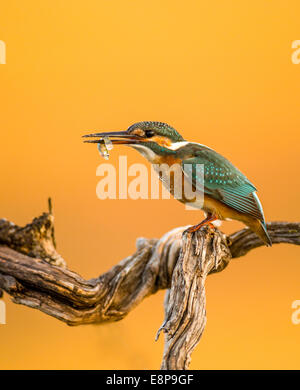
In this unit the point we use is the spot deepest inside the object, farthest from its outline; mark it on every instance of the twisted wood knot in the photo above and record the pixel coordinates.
(36, 239)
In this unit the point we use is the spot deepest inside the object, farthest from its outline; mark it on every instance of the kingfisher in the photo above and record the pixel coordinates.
(227, 193)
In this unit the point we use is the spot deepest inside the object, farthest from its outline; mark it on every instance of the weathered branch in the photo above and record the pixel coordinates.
(185, 304)
(35, 275)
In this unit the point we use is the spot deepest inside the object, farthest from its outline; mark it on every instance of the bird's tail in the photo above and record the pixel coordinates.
(260, 228)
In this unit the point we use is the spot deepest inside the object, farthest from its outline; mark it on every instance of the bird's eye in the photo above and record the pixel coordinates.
(149, 133)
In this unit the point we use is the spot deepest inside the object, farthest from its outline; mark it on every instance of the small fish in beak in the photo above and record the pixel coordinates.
(104, 147)
(106, 140)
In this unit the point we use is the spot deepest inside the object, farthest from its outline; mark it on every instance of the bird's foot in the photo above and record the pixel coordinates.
(212, 226)
(195, 228)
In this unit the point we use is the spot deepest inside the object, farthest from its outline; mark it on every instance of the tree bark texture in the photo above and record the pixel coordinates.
(34, 274)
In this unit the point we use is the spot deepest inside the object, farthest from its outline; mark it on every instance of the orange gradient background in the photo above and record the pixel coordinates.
(221, 73)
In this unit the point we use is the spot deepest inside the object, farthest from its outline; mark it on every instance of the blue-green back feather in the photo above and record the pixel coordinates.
(222, 180)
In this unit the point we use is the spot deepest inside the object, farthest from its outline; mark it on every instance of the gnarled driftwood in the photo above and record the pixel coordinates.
(35, 275)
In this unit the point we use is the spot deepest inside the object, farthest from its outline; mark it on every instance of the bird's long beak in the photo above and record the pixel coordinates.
(119, 138)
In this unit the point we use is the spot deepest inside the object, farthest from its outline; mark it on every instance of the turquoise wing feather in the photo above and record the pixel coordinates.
(222, 180)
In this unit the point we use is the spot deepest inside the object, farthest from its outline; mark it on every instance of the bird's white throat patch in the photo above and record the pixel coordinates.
(177, 145)
(150, 155)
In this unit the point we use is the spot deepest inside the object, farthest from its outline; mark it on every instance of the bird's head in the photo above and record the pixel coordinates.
(149, 138)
